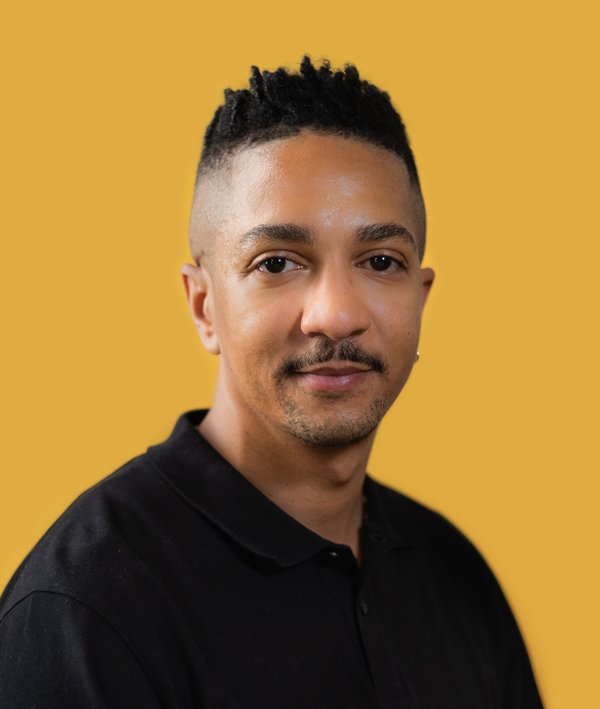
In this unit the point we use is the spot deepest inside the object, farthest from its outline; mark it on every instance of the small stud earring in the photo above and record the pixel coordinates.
(417, 356)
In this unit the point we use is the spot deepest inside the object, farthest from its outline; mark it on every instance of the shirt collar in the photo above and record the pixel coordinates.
(210, 484)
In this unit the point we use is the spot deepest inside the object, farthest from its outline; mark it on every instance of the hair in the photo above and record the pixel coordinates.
(281, 104)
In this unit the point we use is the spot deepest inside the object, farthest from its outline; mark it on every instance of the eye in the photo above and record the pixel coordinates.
(381, 263)
(277, 264)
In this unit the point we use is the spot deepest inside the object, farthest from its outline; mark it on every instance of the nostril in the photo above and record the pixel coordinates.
(331, 309)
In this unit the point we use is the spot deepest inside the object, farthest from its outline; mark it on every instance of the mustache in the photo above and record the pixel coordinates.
(327, 351)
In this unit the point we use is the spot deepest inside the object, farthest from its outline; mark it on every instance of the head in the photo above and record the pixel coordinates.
(283, 104)
(308, 230)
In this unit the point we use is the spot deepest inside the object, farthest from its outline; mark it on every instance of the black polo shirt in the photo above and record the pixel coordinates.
(174, 583)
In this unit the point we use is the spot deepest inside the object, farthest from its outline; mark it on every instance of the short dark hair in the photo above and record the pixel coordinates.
(281, 103)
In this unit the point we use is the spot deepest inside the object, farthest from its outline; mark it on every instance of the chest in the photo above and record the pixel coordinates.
(322, 636)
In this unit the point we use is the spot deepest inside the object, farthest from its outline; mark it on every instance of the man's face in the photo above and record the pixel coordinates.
(313, 289)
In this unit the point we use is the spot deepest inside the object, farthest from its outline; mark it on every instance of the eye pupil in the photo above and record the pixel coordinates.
(381, 263)
(276, 264)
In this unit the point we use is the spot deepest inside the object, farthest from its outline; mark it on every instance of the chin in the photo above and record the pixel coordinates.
(333, 430)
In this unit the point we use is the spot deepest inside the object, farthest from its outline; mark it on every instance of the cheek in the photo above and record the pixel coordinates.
(398, 318)
(254, 327)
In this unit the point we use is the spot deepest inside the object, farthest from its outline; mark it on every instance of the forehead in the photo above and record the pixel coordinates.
(323, 182)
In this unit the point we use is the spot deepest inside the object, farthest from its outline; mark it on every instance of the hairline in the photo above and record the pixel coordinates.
(224, 161)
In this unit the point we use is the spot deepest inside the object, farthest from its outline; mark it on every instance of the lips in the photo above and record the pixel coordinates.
(333, 378)
(333, 371)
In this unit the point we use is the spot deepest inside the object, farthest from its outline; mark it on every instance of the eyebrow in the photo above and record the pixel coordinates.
(300, 234)
(380, 232)
(292, 233)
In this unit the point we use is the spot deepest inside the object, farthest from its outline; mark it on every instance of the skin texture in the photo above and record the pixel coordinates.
(317, 321)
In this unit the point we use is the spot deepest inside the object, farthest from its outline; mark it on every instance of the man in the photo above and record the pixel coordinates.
(248, 561)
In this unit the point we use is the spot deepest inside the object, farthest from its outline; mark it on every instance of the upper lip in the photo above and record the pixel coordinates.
(334, 369)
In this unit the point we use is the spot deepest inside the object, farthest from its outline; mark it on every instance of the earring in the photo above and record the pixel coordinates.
(417, 356)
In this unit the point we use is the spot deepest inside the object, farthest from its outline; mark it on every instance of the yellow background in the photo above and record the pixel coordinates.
(104, 105)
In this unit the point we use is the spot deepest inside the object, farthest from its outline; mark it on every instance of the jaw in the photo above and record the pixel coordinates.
(294, 445)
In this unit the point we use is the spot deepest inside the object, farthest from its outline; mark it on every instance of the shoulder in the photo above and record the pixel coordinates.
(111, 562)
(447, 573)
(440, 550)
(406, 516)
(60, 652)
(91, 545)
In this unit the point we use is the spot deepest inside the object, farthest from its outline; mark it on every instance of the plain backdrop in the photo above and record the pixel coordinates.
(104, 106)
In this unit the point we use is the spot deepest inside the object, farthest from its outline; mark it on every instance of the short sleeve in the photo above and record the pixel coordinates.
(56, 652)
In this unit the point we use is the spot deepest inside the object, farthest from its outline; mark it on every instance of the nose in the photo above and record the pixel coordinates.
(335, 307)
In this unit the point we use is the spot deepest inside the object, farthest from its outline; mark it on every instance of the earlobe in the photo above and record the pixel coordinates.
(199, 294)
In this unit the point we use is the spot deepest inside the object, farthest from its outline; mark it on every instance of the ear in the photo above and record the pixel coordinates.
(427, 277)
(199, 294)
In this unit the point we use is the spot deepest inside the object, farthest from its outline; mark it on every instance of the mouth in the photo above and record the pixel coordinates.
(333, 376)
(332, 368)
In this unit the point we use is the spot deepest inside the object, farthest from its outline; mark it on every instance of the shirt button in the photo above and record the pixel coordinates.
(364, 606)
(333, 554)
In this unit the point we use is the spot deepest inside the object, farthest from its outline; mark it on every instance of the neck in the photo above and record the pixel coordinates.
(320, 487)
